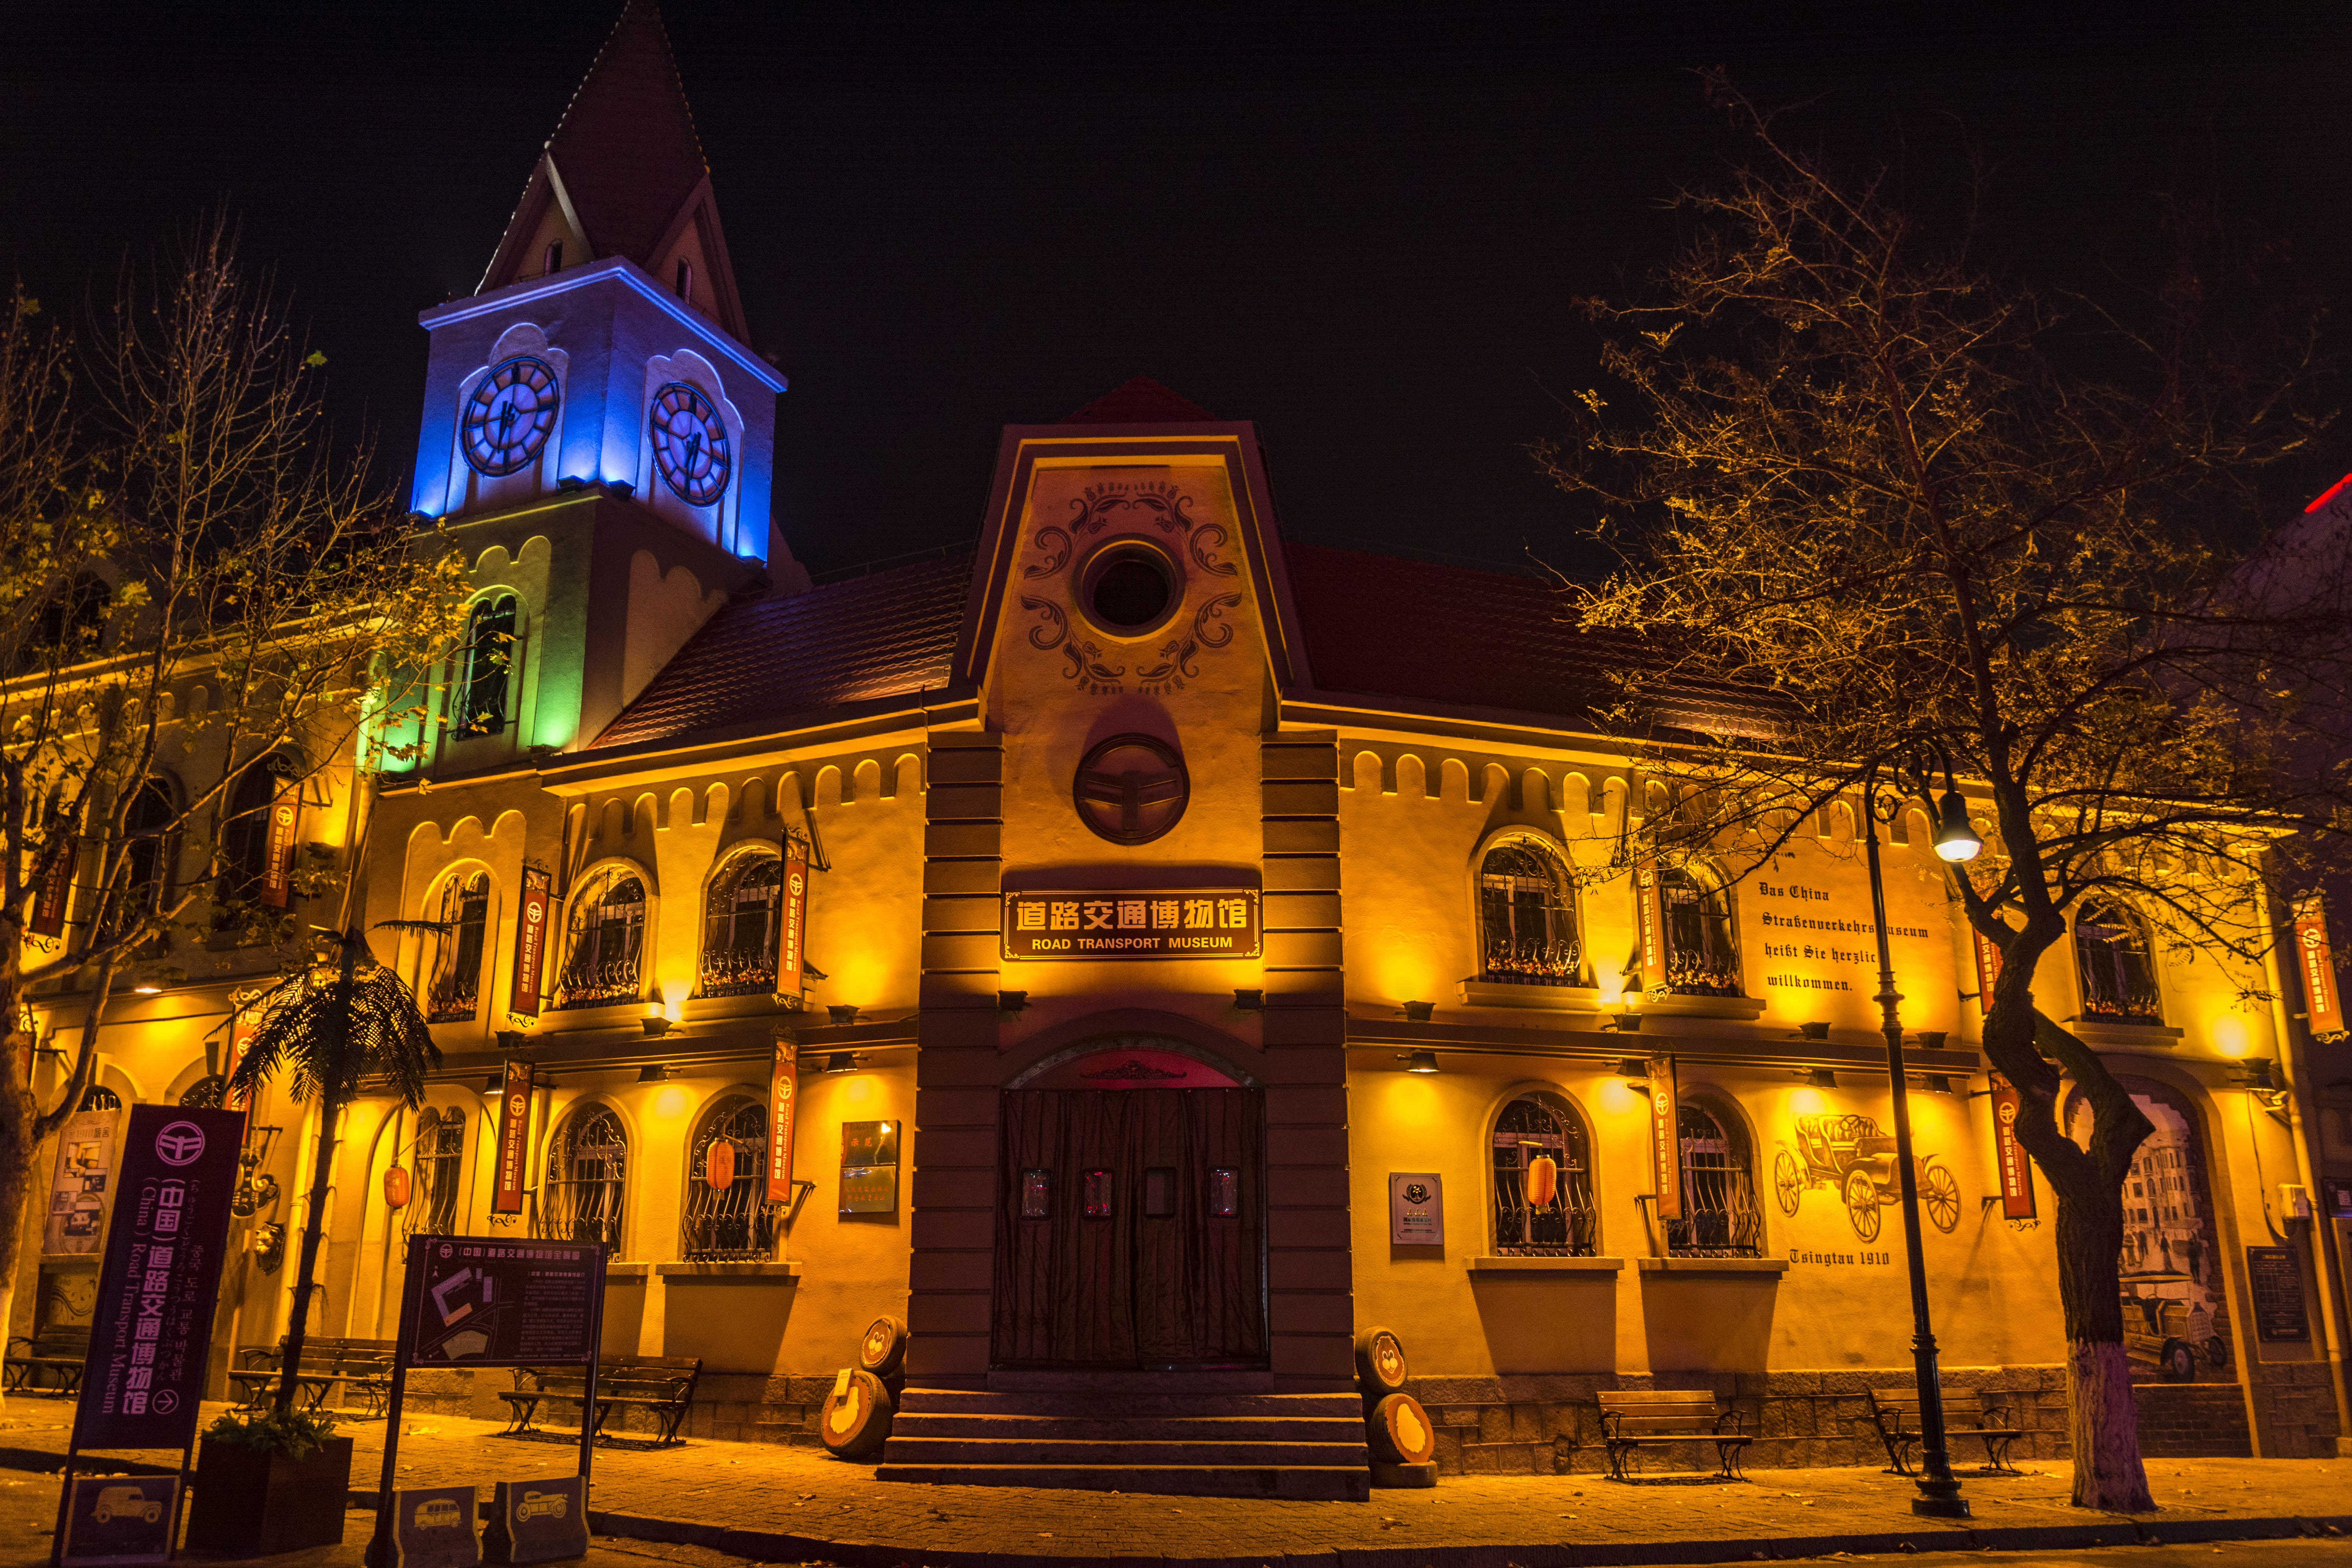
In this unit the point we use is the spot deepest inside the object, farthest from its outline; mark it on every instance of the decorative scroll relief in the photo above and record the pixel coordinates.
(1100, 663)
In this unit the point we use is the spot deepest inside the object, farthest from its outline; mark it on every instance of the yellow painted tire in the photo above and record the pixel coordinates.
(855, 1420)
(1399, 1431)
(1380, 1362)
(884, 1346)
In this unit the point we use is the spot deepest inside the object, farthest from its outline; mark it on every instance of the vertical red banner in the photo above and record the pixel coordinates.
(530, 943)
(791, 924)
(1987, 969)
(1652, 916)
(243, 1020)
(2324, 1007)
(1665, 1136)
(57, 887)
(783, 1101)
(514, 1138)
(278, 867)
(2016, 1168)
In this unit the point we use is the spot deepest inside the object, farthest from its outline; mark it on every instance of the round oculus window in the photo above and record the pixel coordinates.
(1128, 590)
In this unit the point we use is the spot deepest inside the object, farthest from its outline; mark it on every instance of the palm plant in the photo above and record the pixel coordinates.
(363, 1026)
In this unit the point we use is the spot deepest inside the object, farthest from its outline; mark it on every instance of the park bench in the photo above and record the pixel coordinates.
(1633, 1419)
(58, 1353)
(363, 1366)
(662, 1385)
(1966, 1415)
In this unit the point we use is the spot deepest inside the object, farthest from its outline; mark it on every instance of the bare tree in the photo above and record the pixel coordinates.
(199, 595)
(1903, 517)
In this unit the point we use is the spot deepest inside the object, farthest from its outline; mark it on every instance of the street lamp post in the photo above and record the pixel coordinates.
(1939, 1491)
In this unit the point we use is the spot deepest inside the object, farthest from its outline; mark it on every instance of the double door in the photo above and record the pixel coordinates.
(1131, 1229)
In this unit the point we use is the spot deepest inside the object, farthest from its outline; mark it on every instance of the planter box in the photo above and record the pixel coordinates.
(259, 1504)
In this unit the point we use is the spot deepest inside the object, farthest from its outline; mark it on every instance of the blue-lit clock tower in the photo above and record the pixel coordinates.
(597, 434)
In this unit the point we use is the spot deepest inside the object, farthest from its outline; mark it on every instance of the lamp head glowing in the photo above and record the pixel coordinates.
(1956, 837)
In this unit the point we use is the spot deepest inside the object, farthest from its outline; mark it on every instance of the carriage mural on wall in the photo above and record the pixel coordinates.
(1850, 1155)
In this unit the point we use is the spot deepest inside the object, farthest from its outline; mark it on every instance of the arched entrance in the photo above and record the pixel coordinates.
(1131, 1228)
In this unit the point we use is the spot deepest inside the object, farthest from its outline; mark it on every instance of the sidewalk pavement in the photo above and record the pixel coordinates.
(795, 1505)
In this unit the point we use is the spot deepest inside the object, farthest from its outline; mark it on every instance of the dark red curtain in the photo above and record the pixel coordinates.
(1158, 1277)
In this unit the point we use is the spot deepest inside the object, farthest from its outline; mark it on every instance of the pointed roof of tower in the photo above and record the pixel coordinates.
(1139, 400)
(625, 170)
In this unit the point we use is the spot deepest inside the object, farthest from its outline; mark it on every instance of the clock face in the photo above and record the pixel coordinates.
(690, 444)
(509, 414)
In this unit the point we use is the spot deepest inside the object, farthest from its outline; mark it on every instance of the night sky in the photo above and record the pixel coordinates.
(1361, 227)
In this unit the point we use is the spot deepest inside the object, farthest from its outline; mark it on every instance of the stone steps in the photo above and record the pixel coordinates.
(1256, 1428)
(1310, 1483)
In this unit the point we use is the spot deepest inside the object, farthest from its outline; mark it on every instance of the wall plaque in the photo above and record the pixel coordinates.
(1416, 1208)
(869, 1167)
(1166, 922)
(2274, 1278)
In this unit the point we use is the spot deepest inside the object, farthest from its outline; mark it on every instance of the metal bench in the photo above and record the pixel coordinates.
(363, 1366)
(58, 1353)
(662, 1385)
(1966, 1415)
(1636, 1418)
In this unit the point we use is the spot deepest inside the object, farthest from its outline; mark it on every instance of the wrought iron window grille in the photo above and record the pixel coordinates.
(1565, 1224)
(1702, 958)
(456, 992)
(2112, 954)
(603, 955)
(1526, 917)
(586, 1193)
(1720, 1219)
(735, 1223)
(436, 1167)
(739, 940)
(480, 707)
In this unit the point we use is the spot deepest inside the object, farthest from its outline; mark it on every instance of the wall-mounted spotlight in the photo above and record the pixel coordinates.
(1937, 1083)
(512, 1040)
(653, 1072)
(572, 484)
(2254, 1073)
(656, 1024)
(1626, 1023)
(842, 1014)
(1633, 1067)
(841, 1061)
(619, 490)
(1933, 1040)
(147, 988)
(1247, 1000)
(495, 1083)
(1418, 1061)
(1419, 1012)
(1013, 1002)
(1818, 1077)
(1812, 1032)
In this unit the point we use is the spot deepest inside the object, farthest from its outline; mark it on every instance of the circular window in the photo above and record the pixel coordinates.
(1130, 789)
(1128, 590)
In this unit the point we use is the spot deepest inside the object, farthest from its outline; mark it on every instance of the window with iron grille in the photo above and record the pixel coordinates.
(1720, 1215)
(739, 932)
(458, 974)
(604, 951)
(436, 1166)
(206, 1093)
(150, 851)
(1529, 1221)
(486, 663)
(733, 1223)
(1701, 958)
(2111, 951)
(97, 1097)
(586, 1184)
(1526, 919)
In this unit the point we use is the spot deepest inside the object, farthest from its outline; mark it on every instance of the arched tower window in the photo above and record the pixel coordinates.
(1702, 959)
(245, 835)
(479, 707)
(1526, 919)
(587, 1184)
(147, 885)
(739, 932)
(731, 1223)
(684, 279)
(553, 261)
(604, 955)
(436, 1166)
(465, 910)
(1719, 1216)
(1542, 1210)
(2111, 951)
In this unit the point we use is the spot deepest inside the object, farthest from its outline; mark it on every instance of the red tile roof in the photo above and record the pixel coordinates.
(1140, 401)
(626, 147)
(889, 634)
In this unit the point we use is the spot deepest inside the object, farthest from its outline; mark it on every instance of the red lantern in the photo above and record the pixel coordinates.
(719, 1167)
(1543, 1181)
(395, 1187)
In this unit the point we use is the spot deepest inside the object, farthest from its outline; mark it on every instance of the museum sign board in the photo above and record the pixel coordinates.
(1159, 922)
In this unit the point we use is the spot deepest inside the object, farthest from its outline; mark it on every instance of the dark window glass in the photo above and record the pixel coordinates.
(149, 851)
(739, 937)
(436, 1165)
(2111, 947)
(1526, 919)
(481, 708)
(606, 943)
(1701, 958)
(458, 975)
(245, 837)
(1530, 1221)
(555, 259)
(1720, 1215)
(587, 1184)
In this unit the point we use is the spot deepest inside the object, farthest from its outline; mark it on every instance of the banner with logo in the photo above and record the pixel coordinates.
(783, 1094)
(1665, 1134)
(77, 1217)
(57, 887)
(152, 1326)
(530, 943)
(1651, 916)
(2324, 1007)
(514, 1138)
(2017, 1201)
(1987, 969)
(278, 867)
(791, 924)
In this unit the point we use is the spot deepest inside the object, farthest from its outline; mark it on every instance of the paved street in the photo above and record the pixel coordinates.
(771, 1503)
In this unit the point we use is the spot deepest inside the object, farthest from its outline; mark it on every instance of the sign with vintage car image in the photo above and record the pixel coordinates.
(121, 1518)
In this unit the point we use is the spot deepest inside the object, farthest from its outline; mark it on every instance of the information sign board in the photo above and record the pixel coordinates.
(435, 1529)
(869, 1167)
(538, 1521)
(77, 1216)
(491, 1301)
(2274, 1277)
(121, 1518)
(1159, 922)
(1416, 1208)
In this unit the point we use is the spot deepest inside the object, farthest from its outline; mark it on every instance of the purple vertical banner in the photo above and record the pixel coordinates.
(151, 1326)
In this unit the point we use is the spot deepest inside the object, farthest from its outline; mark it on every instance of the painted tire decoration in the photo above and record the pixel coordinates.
(1380, 1362)
(1399, 1431)
(884, 1348)
(855, 1420)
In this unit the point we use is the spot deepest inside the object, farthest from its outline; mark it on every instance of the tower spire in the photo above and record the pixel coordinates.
(624, 175)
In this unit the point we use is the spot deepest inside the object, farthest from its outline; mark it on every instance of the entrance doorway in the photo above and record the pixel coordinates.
(1130, 1217)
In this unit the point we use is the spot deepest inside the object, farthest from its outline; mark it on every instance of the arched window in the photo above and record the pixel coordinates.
(1719, 1217)
(1539, 1211)
(245, 835)
(606, 948)
(587, 1179)
(147, 854)
(553, 261)
(205, 1094)
(97, 1097)
(2111, 950)
(731, 1223)
(479, 705)
(738, 933)
(457, 972)
(1526, 919)
(684, 279)
(1701, 958)
(436, 1166)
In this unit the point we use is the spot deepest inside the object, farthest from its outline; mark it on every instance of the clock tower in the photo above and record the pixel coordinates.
(597, 435)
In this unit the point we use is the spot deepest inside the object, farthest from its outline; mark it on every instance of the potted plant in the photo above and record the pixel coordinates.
(268, 1482)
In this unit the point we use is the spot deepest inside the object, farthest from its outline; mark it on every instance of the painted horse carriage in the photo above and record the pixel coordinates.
(1850, 1156)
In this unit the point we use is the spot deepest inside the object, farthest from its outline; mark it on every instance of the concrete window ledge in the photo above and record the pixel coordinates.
(1550, 998)
(1712, 1265)
(627, 1270)
(1546, 1265)
(769, 1273)
(2126, 1036)
(1697, 1006)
